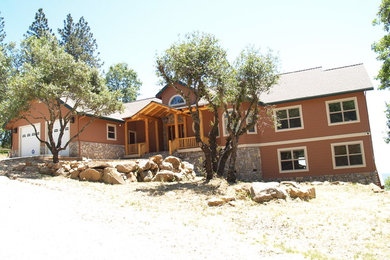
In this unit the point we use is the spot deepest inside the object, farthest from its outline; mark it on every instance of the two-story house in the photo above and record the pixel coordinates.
(323, 131)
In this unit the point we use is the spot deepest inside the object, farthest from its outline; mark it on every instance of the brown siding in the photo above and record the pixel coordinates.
(171, 91)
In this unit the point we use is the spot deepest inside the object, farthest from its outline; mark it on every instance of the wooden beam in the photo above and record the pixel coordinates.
(201, 125)
(126, 139)
(185, 126)
(157, 136)
(147, 134)
(176, 126)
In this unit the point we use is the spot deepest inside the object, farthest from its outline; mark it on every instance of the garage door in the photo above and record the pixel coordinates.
(29, 144)
(65, 137)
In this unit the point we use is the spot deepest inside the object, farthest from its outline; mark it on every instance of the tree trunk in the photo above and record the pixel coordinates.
(231, 175)
(208, 165)
(222, 162)
(55, 156)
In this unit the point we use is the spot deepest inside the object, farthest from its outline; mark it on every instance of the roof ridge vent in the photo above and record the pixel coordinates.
(296, 71)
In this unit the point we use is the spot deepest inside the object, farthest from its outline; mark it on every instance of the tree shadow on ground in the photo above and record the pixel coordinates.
(197, 187)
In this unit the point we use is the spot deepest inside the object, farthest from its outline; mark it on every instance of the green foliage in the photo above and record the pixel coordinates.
(5, 138)
(40, 27)
(121, 78)
(382, 48)
(52, 77)
(387, 183)
(77, 40)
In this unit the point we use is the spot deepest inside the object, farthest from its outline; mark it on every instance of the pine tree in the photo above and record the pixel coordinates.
(78, 41)
(40, 26)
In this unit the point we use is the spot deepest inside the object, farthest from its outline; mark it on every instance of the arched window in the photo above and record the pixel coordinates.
(176, 100)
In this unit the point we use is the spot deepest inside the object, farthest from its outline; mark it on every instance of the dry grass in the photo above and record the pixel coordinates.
(344, 221)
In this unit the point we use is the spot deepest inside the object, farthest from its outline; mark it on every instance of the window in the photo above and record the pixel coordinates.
(176, 101)
(111, 132)
(289, 118)
(225, 122)
(293, 159)
(342, 111)
(348, 155)
(253, 129)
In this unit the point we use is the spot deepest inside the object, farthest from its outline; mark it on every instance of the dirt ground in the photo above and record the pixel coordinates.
(59, 218)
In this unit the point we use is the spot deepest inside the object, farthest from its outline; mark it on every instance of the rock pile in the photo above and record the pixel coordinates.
(265, 191)
(144, 170)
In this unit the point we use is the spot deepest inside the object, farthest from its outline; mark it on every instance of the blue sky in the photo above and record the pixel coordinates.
(304, 33)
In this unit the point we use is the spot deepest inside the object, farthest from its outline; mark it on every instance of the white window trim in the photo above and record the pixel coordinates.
(341, 100)
(115, 132)
(349, 166)
(255, 126)
(135, 135)
(288, 129)
(176, 105)
(289, 149)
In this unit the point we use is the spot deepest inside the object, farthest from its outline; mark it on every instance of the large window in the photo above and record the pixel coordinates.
(176, 100)
(342, 111)
(111, 132)
(293, 159)
(348, 155)
(289, 118)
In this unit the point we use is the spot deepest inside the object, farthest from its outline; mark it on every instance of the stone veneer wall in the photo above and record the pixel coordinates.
(363, 178)
(248, 163)
(100, 150)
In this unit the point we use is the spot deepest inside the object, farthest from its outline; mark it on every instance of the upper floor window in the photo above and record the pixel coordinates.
(111, 132)
(289, 118)
(342, 111)
(176, 100)
(348, 155)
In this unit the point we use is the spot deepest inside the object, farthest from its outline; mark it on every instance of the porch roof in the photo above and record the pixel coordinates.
(153, 110)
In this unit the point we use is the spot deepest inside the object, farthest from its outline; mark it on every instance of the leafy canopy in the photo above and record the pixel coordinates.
(382, 48)
(52, 77)
(121, 78)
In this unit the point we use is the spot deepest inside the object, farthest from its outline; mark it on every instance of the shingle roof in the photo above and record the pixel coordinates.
(132, 108)
(317, 82)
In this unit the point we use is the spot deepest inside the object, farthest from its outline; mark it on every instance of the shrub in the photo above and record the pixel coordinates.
(387, 183)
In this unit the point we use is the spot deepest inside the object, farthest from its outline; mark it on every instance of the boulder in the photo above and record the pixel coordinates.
(56, 166)
(90, 175)
(144, 165)
(290, 183)
(81, 167)
(157, 159)
(112, 176)
(128, 167)
(147, 176)
(19, 167)
(131, 177)
(187, 167)
(98, 165)
(304, 193)
(166, 176)
(228, 198)
(375, 188)
(45, 170)
(66, 167)
(74, 174)
(176, 162)
(166, 166)
(215, 202)
(263, 192)
(60, 171)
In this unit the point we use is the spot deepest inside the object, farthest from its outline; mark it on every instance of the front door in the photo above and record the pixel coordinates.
(132, 137)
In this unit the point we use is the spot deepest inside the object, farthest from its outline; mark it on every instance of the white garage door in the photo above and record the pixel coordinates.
(65, 137)
(29, 144)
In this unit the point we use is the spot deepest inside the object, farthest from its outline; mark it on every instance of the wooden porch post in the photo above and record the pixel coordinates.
(147, 134)
(126, 139)
(176, 126)
(201, 125)
(185, 125)
(157, 136)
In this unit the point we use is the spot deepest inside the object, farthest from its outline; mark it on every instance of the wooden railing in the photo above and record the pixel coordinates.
(138, 148)
(188, 142)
